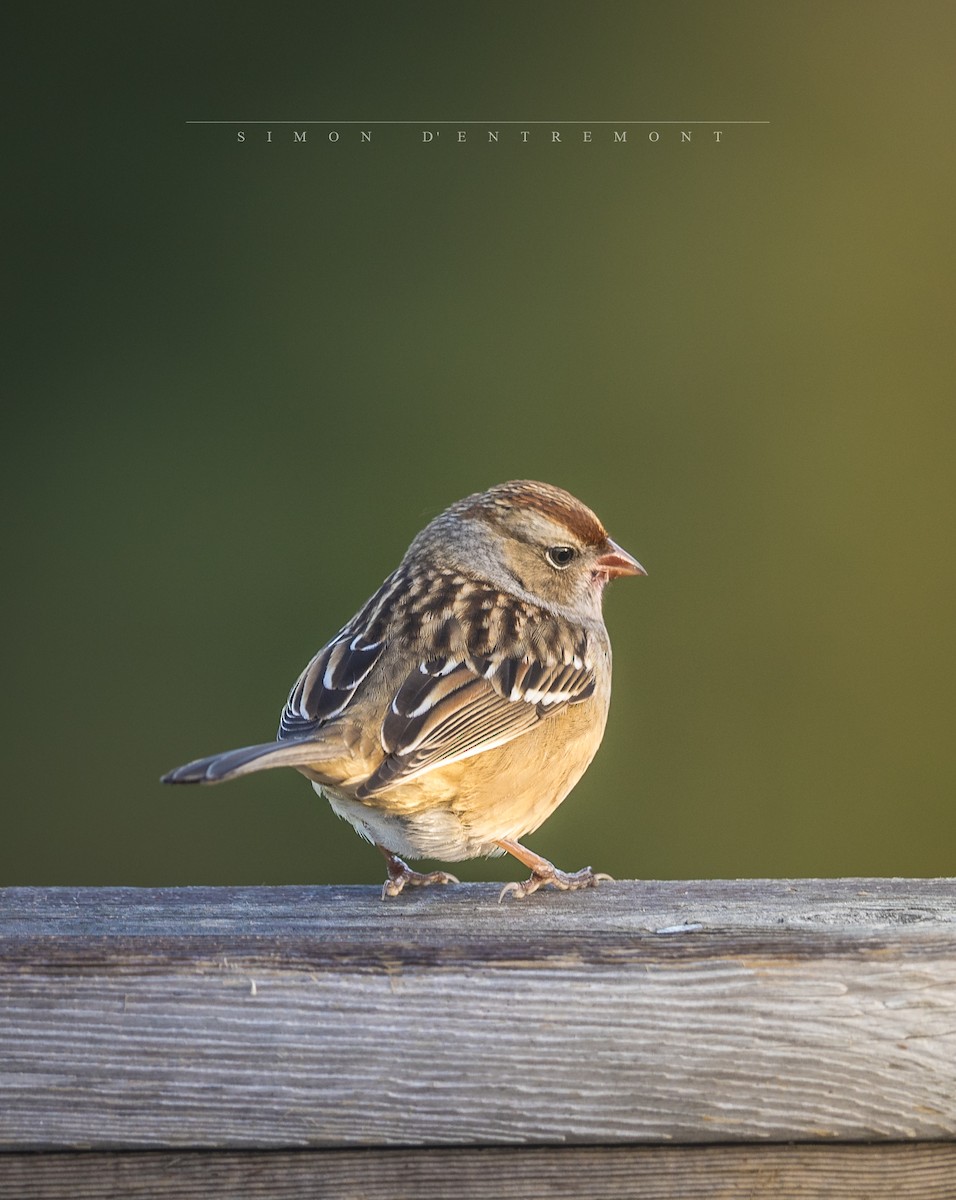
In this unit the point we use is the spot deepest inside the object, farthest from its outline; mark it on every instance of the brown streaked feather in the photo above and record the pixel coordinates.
(545, 498)
(448, 711)
(325, 688)
(483, 721)
(467, 618)
(328, 683)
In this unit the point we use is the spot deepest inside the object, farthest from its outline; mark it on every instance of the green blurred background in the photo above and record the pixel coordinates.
(241, 377)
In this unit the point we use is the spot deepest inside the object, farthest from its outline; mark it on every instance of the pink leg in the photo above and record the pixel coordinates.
(401, 875)
(545, 873)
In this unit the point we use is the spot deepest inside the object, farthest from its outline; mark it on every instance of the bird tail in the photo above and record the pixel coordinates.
(217, 768)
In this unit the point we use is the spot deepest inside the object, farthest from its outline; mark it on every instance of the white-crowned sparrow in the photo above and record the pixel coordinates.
(457, 709)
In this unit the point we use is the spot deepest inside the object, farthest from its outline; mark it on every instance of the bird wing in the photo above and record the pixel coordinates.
(463, 695)
(451, 709)
(326, 686)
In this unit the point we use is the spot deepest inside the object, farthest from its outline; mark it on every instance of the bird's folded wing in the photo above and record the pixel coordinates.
(447, 710)
(327, 685)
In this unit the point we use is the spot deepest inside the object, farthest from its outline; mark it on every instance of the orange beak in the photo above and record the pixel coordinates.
(615, 561)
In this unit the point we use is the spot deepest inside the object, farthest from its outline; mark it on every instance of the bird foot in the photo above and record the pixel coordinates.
(565, 882)
(401, 876)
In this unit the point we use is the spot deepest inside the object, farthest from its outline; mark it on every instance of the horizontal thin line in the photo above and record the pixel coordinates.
(477, 122)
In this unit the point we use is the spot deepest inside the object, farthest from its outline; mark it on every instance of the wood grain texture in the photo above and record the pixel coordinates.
(635, 1013)
(887, 1171)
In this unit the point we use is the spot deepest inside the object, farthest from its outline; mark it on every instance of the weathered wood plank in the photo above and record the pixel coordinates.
(882, 1171)
(638, 1012)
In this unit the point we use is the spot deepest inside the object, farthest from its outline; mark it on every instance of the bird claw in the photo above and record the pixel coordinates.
(560, 879)
(401, 875)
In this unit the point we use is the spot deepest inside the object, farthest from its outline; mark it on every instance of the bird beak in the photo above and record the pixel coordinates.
(615, 561)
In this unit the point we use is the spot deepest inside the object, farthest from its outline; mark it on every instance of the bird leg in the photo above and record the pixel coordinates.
(401, 875)
(545, 873)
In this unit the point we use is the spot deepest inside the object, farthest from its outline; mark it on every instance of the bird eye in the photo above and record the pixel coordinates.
(561, 556)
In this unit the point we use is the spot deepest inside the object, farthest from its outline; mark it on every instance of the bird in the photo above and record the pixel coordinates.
(461, 704)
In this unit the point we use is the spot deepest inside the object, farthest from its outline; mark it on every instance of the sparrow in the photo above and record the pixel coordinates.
(457, 709)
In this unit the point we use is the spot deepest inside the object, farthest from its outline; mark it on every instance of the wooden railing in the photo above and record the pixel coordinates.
(643, 1039)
